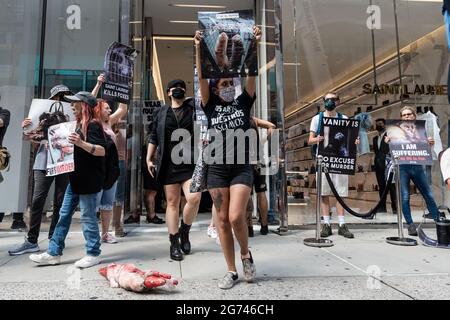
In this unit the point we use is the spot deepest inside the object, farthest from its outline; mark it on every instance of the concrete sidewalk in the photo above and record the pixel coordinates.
(286, 268)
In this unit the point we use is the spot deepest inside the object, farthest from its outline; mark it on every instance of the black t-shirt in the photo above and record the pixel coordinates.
(89, 173)
(228, 117)
(5, 116)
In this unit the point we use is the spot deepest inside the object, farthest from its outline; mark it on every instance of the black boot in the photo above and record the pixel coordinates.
(175, 252)
(184, 237)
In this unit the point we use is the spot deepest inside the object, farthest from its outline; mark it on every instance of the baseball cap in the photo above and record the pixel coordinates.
(83, 96)
(59, 89)
(176, 83)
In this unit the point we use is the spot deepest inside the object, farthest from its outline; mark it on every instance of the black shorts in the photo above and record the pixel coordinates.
(226, 175)
(259, 181)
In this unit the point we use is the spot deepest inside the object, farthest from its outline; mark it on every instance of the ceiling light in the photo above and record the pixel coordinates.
(196, 6)
(183, 21)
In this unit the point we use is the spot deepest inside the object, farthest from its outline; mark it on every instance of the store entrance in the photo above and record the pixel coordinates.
(163, 33)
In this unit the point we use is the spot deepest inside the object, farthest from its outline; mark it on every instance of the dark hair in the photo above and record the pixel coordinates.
(382, 120)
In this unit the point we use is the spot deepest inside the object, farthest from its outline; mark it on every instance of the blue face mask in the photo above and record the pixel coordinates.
(330, 104)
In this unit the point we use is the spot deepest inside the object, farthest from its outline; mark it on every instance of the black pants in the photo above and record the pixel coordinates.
(380, 172)
(42, 185)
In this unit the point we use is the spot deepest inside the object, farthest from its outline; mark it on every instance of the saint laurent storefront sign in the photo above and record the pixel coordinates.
(418, 89)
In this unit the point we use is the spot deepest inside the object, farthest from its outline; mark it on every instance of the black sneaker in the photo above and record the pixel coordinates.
(412, 231)
(343, 231)
(132, 219)
(428, 216)
(264, 230)
(326, 230)
(18, 225)
(251, 234)
(155, 220)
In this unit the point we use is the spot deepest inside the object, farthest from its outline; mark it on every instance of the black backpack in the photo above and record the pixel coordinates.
(112, 170)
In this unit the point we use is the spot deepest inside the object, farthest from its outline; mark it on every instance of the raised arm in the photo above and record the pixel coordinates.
(100, 80)
(120, 113)
(203, 83)
(265, 125)
(251, 81)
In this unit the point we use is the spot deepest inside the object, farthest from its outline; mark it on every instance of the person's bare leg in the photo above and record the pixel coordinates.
(263, 208)
(106, 216)
(325, 206)
(117, 218)
(221, 198)
(190, 210)
(173, 195)
(340, 209)
(150, 196)
(239, 197)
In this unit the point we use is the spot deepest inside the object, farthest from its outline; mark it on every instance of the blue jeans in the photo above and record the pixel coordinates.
(417, 175)
(88, 204)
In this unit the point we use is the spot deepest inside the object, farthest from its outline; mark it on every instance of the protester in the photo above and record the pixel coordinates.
(86, 182)
(416, 174)
(102, 113)
(381, 150)
(42, 182)
(175, 177)
(331, 101)
(230, 183)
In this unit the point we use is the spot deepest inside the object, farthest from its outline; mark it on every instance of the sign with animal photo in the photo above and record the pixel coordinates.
(228, 45)
(339, 145)
(119, 72)
(408, 141)
(60, 151)
(45, 113)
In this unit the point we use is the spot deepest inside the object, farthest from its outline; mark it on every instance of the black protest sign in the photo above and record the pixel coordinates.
(147, 112)
(119, 68)
(408, 141)
(228, 45)
(339, 145)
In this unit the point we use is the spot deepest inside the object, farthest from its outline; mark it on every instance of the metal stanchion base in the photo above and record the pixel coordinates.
(318, 243)
(401, 241)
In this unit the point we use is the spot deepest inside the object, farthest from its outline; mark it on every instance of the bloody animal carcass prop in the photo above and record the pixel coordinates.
(129, 277)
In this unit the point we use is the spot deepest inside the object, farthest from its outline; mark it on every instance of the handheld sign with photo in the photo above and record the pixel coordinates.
(119, 70)
(41, 107)
(60, 151)
(339, 145)
(228, 45)
(408, 140)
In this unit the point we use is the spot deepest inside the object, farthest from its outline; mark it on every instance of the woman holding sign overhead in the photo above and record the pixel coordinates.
(229, 182)
(415, 173)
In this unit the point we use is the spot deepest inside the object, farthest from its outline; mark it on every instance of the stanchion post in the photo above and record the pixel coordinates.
(317, 241)
(400, 240)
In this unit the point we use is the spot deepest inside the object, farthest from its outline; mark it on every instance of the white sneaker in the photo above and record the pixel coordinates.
(44, 259)
(212, 232)
(87, 262)
(109, 238)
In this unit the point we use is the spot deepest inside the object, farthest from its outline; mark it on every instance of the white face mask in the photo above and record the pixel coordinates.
(227, 94)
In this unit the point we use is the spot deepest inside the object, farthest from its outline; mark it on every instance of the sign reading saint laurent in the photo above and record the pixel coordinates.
(418, 89)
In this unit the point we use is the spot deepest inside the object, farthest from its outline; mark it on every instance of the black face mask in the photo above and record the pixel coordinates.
(380, 128)
(330, 104)
(178, 93)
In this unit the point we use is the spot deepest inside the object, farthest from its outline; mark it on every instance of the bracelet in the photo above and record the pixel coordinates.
(93, 149)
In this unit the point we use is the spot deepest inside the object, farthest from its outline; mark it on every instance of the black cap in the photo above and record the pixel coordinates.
(176, 83)
(60, 88)
(83, 96)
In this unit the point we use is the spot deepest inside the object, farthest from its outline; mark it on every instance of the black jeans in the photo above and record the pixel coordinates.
(380, 172)
(42, 185)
